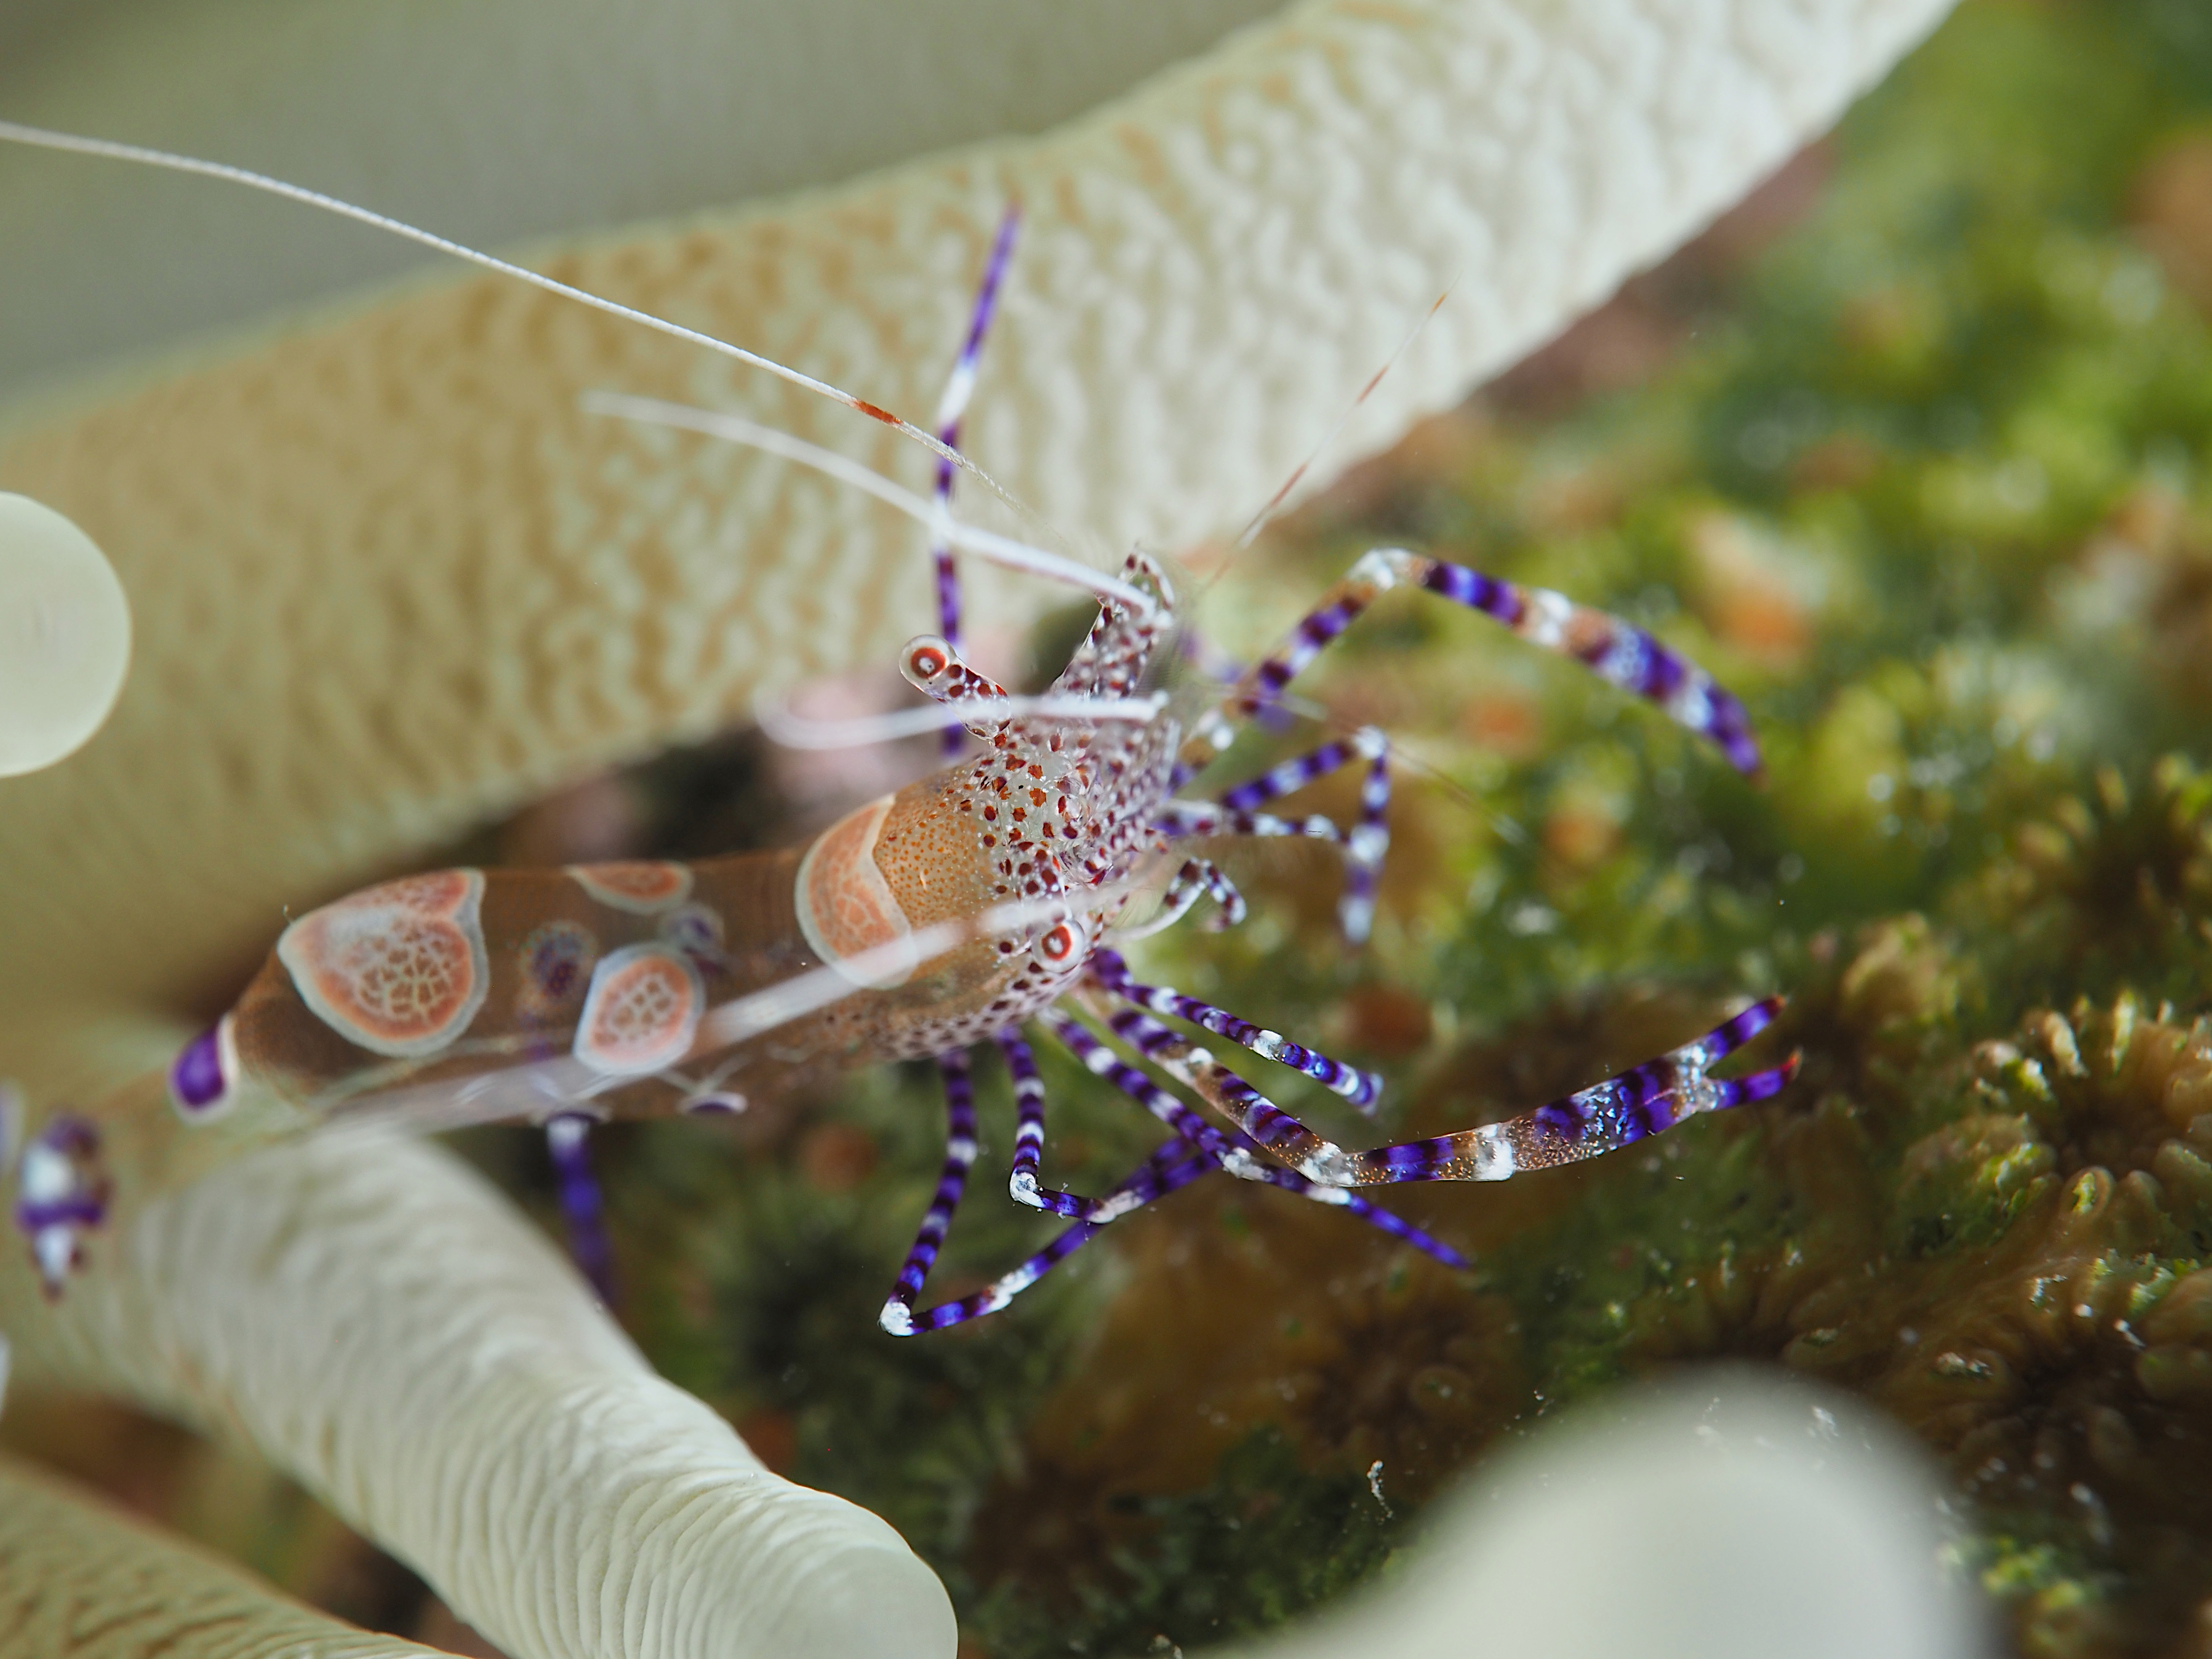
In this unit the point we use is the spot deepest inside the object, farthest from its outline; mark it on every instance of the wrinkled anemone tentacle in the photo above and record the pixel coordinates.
(1259, 520)
(41, 138)
(1617, 652)
(952, 405)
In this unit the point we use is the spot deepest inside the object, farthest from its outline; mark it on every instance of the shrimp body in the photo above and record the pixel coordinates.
(595, 983)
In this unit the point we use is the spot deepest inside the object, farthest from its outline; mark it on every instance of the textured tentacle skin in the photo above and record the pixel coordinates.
(79, 1581)
(467, 1404)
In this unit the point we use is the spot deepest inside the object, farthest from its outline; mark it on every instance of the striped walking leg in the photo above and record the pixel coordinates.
(897, 1314)
(1645, 1100)
(1362, 1089)
(567, 1141)
(1022, 1184)
(1172, 1166)
(952, 405)
(1364, 844)
(1238, 1151)
(1616, 651)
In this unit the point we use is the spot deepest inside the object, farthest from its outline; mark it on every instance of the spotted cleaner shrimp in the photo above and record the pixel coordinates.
(958, 913)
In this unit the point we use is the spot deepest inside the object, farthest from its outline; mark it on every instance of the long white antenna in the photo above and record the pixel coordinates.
(988, 544)
(1260, 519)
(42, 138)
(792, 731)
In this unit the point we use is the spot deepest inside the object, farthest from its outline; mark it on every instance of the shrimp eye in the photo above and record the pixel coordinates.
(1060, 944)
(925, 660)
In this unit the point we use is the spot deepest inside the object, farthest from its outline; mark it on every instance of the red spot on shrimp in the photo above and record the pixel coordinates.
(398, 970)
(642, 1012)
(876, 413)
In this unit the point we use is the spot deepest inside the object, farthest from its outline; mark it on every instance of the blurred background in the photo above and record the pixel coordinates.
(1911, 450)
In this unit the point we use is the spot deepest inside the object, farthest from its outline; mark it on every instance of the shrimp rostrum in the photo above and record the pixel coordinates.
(979, 907)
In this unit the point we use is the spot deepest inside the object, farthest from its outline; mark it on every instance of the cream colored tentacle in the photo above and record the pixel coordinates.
(378, 1321)
(79, 1581)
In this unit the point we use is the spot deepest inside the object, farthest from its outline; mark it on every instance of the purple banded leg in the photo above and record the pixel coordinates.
(1365, 845)
(1171, 1167)
(1188, 820)
(1028, 1101)
(1022, 1184)
(1617, 652)
(950, 407)
(61, 1194)
(1647, 1100)
(897, 1316)
(203, 1078)
(1101, 1061)
(1197, 878)
(568, 1140)
(1387, 1221)
(1361, 1088)
(1235, 1152)
(1259, 1122)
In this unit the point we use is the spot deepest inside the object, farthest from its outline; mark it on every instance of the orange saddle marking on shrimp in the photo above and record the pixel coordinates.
(641, 1012)
(644, 887)
(845, 906)
(398, 970)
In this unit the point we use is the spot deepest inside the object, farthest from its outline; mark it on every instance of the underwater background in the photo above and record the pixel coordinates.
(1913, 451)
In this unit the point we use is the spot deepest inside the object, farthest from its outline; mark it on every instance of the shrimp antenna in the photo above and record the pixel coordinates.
(42, 138)
(985, 544)
(1260, 519)
(794, 731)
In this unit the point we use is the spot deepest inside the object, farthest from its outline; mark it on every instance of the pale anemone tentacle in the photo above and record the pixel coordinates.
(79, 1581)
(1737, 1513)
(495, 1444)
(391, 579)
(64, 637)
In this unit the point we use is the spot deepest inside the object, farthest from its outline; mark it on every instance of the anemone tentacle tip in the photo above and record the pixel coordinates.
(64, 637)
